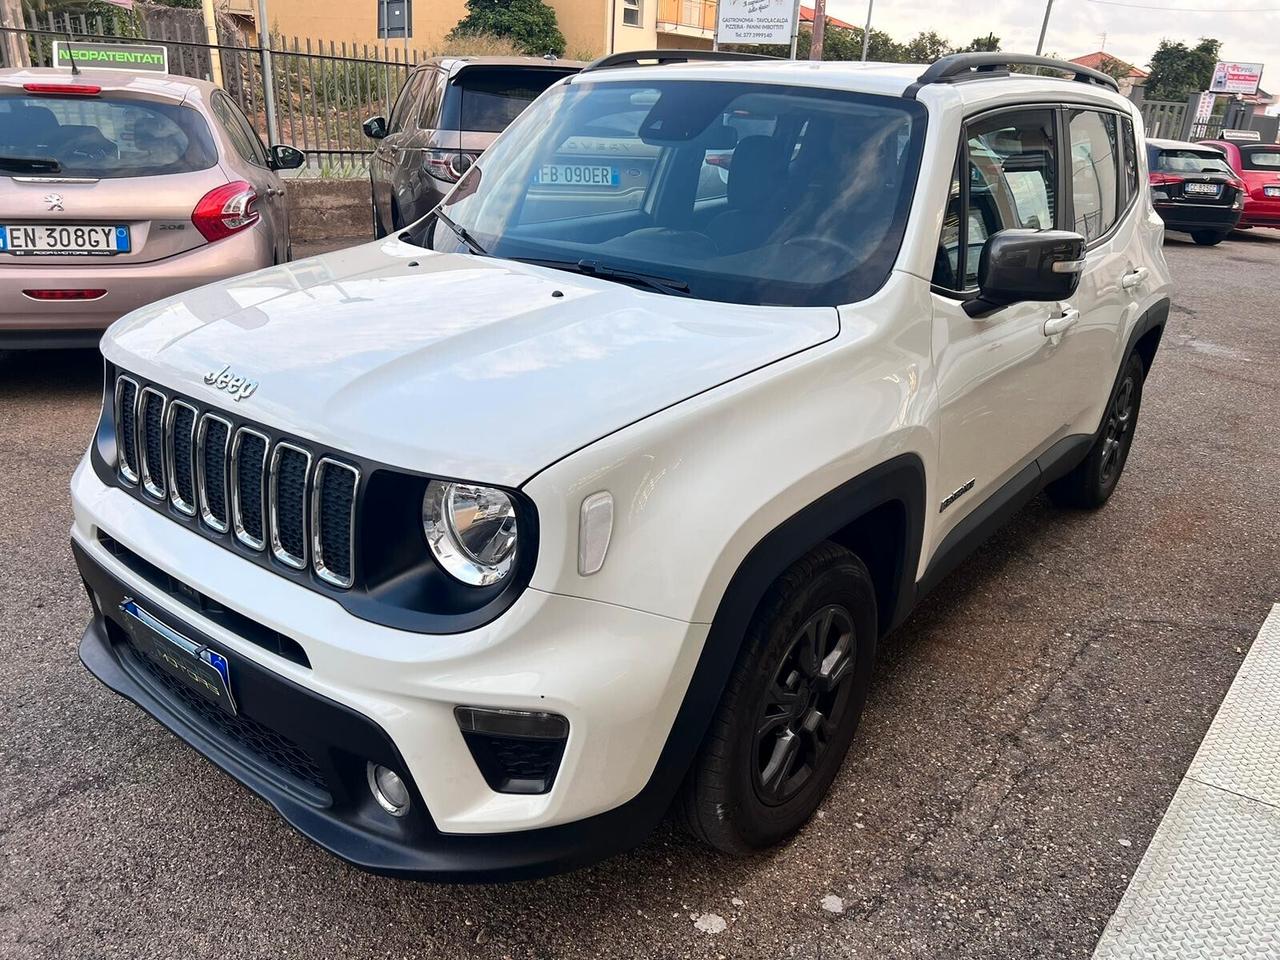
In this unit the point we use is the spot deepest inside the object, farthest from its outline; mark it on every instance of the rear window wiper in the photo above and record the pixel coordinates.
(31, 164)
(593, 268)
(463, 234)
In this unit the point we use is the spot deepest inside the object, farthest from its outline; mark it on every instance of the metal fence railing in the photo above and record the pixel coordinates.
(1164, 118)
(317, 97)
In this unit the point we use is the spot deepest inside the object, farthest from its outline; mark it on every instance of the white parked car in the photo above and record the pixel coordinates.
(474, 549)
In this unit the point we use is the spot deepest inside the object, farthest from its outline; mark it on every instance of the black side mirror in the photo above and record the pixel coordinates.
(281, 156)
(1020, 265)
(375, 128)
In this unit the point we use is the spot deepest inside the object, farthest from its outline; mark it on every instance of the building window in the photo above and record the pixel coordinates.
(395, 18)
(632, 13)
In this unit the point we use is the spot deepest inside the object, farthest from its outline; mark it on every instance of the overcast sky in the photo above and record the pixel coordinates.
(1076, 26)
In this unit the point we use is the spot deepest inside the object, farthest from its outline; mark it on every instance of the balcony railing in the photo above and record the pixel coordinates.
(693, 15)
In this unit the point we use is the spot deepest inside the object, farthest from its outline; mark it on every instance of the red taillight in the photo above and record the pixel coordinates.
(226, 210)
(64, 89)
(1158, 178)
(722, 160)
(448, 165)
(64, 294)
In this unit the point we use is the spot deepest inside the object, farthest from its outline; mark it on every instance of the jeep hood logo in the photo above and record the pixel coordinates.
(234, 384)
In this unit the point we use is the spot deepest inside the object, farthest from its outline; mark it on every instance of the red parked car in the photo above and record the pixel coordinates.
(1258, 165)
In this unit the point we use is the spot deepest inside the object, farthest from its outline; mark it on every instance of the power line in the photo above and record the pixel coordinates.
(1142, 6)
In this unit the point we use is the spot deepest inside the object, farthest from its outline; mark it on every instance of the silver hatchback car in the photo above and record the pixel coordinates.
(118, 189)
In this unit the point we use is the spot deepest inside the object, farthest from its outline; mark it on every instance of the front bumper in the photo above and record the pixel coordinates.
(29, 324)
(374, 693)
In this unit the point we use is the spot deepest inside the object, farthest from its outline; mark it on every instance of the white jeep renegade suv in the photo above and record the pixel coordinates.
(473, 549)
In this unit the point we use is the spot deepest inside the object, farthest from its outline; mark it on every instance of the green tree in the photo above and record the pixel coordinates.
(926, 48)
(988, 44)
(530, 24)
(1177, 71)
(1115, 67)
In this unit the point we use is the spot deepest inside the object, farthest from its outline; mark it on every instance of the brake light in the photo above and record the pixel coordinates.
(722, 160)
(1158, 178)
(226, 210)
(64, 89)
(448, 165)
(64, 294)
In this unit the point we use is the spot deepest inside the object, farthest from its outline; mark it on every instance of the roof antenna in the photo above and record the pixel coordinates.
(75, 71)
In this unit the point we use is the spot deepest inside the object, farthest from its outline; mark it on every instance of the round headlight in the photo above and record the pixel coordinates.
(471, 531)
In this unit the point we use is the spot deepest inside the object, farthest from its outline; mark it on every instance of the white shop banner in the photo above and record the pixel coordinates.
(755, 21)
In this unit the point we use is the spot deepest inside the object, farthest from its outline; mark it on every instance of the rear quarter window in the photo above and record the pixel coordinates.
(106, 136)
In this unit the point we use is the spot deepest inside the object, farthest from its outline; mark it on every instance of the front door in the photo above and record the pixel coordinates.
(998, 387)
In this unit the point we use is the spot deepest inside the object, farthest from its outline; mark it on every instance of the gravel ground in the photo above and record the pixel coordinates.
(1027, 727)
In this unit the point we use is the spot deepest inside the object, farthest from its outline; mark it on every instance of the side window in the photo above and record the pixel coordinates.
(1095, 172)
(403, 108)
(243, 139)
(429, 115)
(1130, 161)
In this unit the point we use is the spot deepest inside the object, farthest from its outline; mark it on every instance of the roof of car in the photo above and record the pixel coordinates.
(1180, 144)
(886, 79)
(160, 85)
(453, 64)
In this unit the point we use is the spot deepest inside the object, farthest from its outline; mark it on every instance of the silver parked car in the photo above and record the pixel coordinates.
(120, 188)
(448, 112)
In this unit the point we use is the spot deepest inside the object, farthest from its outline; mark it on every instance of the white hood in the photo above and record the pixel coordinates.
(454, 365)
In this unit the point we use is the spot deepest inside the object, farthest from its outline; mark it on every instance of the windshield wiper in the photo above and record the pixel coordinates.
(462, 234)
(31, 164)
(593, 268)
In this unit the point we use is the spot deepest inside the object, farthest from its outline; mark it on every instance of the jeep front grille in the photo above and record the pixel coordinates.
(236, 482)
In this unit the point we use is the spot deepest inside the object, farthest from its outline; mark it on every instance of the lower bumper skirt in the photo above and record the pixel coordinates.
(306, 755)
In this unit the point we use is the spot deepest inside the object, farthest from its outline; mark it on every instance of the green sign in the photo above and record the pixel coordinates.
(144, 57)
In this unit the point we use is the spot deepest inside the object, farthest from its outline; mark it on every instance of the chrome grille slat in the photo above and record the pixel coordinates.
(333, 521)
(248, 468)
(151, 441)
(127, 428)
(180, 450)
(293, 507)
(213, 439)
(287, 503)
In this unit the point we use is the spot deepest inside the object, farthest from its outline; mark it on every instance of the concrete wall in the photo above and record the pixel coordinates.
(328, 210)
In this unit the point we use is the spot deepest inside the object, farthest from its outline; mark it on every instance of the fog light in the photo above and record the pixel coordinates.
(388, 789)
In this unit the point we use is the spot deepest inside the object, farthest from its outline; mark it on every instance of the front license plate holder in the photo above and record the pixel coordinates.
(203, 671)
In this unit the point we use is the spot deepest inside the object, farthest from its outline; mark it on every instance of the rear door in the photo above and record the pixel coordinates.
(112, 175)
(249, 162)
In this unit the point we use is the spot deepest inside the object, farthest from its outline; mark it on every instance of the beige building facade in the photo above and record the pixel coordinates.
(591, 27)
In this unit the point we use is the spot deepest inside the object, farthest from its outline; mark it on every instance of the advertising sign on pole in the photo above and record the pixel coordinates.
(1236, 78)
(1204, 107)
(755, 21)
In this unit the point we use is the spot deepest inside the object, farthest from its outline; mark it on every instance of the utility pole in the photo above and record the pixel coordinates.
(1048, 8)
(795, 27)
(211, 37)
(819, 28)
(866, 32)
(268, 74)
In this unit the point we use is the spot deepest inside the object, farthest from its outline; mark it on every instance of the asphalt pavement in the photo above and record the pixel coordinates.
(1026, 730)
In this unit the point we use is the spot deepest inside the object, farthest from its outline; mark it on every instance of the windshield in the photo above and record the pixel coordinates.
(103, 136)
(1267, 158)
(739, 192)
(1192, 161)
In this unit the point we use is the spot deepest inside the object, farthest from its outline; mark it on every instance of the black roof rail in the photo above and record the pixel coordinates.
(636, 58)
(976, 66)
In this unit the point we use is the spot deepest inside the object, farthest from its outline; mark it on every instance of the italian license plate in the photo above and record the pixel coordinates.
(1271, 191)
(203, 671)
(53, 239)
(1202, 189)
(578, 175)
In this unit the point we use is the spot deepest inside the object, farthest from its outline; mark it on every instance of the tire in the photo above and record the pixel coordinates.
(785, 722)
(1208, 238)
(1093, 481)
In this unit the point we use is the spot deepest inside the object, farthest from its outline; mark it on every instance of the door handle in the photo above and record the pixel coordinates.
(1133, 278)
(1056, 325)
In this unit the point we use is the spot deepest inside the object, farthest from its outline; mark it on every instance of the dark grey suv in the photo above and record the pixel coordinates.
(448, 112)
